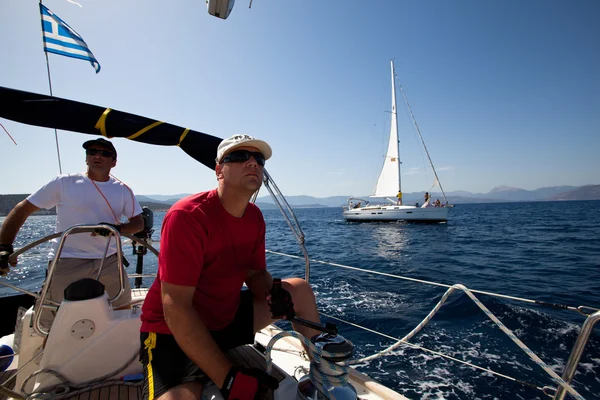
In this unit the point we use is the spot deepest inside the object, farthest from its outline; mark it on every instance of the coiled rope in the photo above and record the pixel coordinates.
(324, 374)
(65, 388)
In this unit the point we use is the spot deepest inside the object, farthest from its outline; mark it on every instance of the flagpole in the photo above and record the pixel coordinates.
(50, 86)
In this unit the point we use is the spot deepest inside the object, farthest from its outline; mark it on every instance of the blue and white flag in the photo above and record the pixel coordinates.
(60, 38)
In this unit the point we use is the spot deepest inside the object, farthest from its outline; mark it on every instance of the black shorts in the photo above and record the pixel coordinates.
(170, 366)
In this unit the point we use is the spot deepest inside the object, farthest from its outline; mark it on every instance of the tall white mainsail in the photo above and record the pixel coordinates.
(388, 183)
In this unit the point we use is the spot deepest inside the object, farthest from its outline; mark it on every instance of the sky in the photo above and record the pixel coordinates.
(504, 92)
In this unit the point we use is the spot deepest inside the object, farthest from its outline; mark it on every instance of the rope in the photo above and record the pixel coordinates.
(64, 389)
(437, 353)
(324, 374)
(578, 309)
(558, 380)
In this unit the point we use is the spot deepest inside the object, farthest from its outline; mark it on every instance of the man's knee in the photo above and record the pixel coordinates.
(187, 391)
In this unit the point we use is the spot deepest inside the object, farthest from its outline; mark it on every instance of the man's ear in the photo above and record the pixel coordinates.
(219, 171)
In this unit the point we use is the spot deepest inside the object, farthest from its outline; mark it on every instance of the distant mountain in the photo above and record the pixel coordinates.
(165, 198)
(516, 194)
(333, 201)
(498, 194)
(588, 192)
(142, 198)
(8, 201)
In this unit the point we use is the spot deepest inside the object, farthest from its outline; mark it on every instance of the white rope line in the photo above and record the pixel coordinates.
(578, 309)
(437, 353)
(516, 340)
(557, 379)
(420, 326)
(426, 320)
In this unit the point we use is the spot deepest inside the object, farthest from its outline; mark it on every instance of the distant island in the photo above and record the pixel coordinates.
(500, 194)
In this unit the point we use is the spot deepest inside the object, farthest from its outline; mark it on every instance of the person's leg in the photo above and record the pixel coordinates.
(185, 391)
(110, 279)
(305, 307)
(168, 373)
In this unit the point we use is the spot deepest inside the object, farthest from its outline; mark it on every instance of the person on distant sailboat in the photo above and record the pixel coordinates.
(427, 198)
(399, 196)
(437, 203)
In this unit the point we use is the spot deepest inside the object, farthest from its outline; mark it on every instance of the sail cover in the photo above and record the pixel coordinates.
(54, 112)
(388, 183)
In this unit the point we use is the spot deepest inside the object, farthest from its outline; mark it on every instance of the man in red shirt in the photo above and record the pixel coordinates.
(212, 243)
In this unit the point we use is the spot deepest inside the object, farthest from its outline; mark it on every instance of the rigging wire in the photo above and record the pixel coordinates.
(578, 309)
(422, 141)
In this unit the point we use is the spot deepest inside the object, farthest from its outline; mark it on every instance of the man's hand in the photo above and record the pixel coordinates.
(5, 251)
(104, 231)
(280, 303)
(247, 384)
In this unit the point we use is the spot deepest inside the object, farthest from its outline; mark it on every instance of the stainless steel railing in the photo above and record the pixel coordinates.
(41, 304)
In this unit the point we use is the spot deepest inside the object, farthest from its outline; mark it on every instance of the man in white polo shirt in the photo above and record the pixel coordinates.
(91, 197)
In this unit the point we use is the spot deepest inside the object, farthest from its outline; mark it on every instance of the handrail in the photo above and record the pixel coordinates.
(295, 226)
(13, 257)
(578, 347)
(83, 228)
(51, 268)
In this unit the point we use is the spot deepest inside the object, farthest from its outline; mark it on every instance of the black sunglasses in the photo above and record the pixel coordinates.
(103, 153)
(244, 155)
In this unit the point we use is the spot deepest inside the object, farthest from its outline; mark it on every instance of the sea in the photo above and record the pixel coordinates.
(537, 251)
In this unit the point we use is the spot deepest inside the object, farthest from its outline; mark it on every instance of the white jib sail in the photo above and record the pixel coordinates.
(388, 183)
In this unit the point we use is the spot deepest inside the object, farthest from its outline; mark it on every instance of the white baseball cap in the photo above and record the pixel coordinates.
(228, 145)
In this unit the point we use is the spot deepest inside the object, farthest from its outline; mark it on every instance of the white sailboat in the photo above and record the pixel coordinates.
(389, 185)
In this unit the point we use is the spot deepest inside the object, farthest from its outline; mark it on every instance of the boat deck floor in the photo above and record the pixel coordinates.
(246, 356)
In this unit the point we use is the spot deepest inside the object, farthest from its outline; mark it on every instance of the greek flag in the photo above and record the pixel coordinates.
(60, 39)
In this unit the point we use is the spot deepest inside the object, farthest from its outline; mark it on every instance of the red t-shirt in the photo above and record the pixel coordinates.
(202, 245)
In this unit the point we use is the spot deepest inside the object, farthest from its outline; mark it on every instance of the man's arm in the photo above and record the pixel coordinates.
(15, 220)
(259, 282)
(190, 332)
(134, 225)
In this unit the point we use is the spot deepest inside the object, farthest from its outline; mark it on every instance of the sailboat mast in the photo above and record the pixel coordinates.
(395, 123)
(423, 142)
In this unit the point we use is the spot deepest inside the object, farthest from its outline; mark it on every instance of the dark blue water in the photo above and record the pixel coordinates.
(541, 251)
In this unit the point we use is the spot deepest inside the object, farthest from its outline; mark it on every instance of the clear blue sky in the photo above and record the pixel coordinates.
(505, 92)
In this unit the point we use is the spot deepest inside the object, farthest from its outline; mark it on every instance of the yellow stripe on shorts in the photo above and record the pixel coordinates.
(150, 344)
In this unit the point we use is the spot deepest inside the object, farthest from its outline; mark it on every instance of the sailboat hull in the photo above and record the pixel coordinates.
(397, 213)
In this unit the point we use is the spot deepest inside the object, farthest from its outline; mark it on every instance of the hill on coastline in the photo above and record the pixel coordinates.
(8, 201)
(500, 194)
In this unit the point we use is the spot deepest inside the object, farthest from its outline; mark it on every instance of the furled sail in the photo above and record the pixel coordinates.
(54, 112)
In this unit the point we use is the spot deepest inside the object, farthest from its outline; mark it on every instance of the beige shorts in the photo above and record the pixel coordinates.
(69, 270)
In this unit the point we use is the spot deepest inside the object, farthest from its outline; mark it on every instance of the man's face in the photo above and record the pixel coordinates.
(100, 158)
(241, 174)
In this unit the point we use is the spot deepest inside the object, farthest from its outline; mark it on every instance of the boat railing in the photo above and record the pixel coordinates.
(83, 228)
(356, 202)
(578, 347)
(289, 217)
(563, 384)
(43, 302)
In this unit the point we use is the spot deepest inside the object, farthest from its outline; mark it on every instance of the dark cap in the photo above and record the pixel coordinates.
(101, 142)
